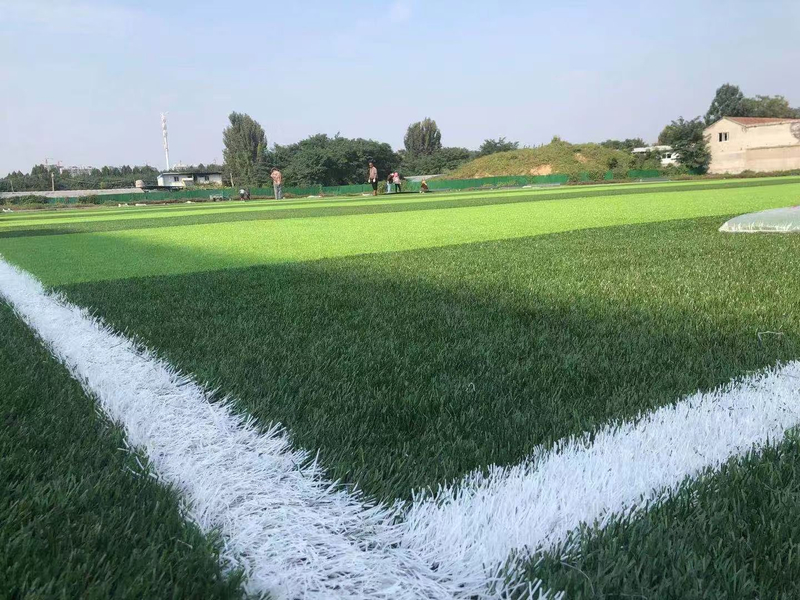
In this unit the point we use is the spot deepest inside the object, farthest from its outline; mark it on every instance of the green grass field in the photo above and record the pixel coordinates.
(80, 517)
(416, 339)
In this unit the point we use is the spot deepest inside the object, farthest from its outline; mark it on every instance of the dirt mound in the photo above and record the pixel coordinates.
(557, 157)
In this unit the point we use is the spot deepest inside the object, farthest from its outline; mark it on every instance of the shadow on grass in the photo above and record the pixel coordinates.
(410, 369)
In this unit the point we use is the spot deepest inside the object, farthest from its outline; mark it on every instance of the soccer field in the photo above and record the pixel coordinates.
(581, 391)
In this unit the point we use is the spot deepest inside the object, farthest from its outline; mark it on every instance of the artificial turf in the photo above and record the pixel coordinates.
(191, 247)
(413, 347)
(80, 515)
(410, 369)
(733, 534)
(36, 225)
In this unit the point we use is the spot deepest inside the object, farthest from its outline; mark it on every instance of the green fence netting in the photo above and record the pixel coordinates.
(494, 182)
(438, 184)
(644, 173)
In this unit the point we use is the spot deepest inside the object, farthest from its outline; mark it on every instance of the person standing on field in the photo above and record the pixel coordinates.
(373, 177)
(396, 177)
(277, 183)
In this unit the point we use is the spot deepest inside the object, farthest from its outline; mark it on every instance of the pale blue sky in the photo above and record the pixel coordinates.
(84, 81)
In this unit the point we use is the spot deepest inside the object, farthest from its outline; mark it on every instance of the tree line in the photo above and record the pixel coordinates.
(337, 160)
(42, 177)
(45, 177)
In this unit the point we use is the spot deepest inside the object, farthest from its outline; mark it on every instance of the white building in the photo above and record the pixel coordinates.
(753, 144)
(189, 179)
(668, 157)
(76, 170)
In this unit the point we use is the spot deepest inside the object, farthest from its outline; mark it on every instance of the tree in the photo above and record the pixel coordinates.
(729, 101)
(688, 141)
(626, 144)
(770, 106)
(423, 138)
(445, 159)
(245, 142)
(499, 145)
(320, 159)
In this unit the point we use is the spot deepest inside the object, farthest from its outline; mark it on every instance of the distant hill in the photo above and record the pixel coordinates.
(556, 157)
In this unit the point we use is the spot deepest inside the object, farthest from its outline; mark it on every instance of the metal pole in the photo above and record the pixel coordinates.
(166, 140)
(52, 182)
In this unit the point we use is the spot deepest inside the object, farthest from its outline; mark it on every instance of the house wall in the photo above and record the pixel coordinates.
(769, 147)
(188, 180)
(211, 179)
(169, 180)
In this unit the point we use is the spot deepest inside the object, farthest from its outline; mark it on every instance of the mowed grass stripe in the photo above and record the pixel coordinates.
(133, 219)
(188, 207)
(409, 370)
(79, 515)
(170, 250)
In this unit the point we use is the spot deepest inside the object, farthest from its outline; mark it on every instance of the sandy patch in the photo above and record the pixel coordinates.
(542, 170)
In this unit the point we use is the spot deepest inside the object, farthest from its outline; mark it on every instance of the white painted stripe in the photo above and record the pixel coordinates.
(296, 535)
(620, 470)
(299, 536)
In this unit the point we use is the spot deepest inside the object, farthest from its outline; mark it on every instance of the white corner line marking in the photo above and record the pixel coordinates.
(295, 534)
(299, 536)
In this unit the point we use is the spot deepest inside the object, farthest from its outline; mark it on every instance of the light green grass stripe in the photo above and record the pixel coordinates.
(171, 250)
(132, 212)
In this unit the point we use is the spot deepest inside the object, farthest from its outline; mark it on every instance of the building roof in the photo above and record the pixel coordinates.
(750, 121)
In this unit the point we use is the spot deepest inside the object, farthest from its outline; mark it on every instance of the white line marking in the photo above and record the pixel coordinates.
(296, 535)
(623, 468)
(299, 536)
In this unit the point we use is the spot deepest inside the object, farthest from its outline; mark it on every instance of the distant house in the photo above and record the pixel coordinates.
(76, 171)
(185, 179)
(753, 144)
(665, 153)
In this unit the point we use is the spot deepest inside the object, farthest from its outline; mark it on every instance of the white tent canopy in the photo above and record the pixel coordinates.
(777, 220)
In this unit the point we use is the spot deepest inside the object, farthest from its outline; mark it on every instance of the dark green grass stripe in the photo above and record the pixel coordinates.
(734, 534)
(341, 211)
(410, 369)
(79, 518)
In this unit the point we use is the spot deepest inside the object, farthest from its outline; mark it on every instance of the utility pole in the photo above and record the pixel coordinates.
(164, 133)
(49, 170)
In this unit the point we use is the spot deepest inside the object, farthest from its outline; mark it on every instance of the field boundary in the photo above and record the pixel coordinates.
(105, 197)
